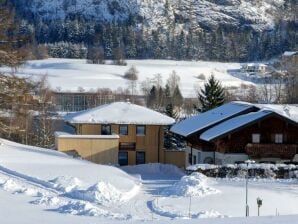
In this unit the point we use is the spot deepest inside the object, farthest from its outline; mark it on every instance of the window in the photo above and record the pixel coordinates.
(123, 129)
(278, 138)
(141, 130)
(105, 129)
(140, 158)
(256, 138)
(123, 158)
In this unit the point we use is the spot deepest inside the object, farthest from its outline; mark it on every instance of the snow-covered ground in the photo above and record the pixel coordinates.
(39, 185)
(70, 74)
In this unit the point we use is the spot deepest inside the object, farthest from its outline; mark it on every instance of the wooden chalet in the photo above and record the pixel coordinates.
(238, 131)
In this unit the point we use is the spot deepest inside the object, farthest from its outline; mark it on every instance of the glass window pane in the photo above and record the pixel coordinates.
(256, 138)
(106, 129)
(141, 130)
(123, 130)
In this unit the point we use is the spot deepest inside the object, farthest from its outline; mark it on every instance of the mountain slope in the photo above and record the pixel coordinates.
(165, 24)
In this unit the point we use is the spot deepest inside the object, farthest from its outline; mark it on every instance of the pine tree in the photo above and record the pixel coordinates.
(213, 95)
(152, 98)
(177, 97)
(170, 111)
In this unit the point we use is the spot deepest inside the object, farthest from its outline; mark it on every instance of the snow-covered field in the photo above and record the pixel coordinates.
(45, 186)
(70, 74)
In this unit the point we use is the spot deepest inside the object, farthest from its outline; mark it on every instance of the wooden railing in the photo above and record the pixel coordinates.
(283, 151)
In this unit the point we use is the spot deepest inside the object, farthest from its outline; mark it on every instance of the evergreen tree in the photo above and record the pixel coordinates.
(177, 97)
(213, 95)
(152, 97)
(170, 111)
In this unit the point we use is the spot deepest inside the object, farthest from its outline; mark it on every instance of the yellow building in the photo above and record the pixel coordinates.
(119, 133)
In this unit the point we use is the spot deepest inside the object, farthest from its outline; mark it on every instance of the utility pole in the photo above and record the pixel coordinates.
(246, 187)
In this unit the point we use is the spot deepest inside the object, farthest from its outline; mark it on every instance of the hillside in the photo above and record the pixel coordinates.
(180, 29)
(72, 74)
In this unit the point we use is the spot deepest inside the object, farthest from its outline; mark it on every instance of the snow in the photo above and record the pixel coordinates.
(256, 14)
(40, 185)
(233, 124)
(70, 74)
(151, 169)
(119, 113)
(226, 118)
(289, 53)
(285, 110)
(194, 185)
(204, 120)
(67, 135)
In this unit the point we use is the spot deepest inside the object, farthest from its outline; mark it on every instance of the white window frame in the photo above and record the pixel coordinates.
(279, 138)
(256, 138)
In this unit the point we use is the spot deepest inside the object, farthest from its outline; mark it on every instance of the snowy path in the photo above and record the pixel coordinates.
(141, 205)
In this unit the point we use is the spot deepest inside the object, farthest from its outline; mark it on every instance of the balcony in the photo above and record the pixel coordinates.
(127, 146)
(283, 151)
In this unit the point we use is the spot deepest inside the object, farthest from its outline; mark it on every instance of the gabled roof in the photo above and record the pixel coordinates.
(119, 113)
(233, 124)
(231, 117)
(210, 118)
(288, 111)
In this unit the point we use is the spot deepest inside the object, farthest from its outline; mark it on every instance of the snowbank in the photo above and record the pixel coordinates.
(194, 185)
(62, 183)
(103, 193)
(163, 208)
(87, 209)
(65, 184)
(154, 169)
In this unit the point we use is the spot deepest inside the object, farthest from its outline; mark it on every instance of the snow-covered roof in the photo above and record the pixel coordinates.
(285, 110)
(67, 135)
(119, 113)
(233, 124)
(204, 120)
(290, 53)
(231, 116)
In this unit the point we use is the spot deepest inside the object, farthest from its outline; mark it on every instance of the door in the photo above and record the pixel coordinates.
(123, 158)
(141, 158)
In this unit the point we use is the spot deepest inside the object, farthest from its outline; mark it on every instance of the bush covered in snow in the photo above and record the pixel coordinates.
(261, 170)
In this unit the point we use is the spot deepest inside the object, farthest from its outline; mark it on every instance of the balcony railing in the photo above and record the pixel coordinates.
(283, 151)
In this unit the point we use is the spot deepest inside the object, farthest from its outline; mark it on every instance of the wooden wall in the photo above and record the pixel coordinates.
(97, 150)
(177, 158)
(236, 142)
(151, 143)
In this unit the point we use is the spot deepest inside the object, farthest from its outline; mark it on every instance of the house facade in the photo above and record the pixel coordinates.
(256, 68)
(118, 133)
(238, 131)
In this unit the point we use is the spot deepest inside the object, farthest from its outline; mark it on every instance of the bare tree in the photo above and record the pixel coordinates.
(45, 129)
(132, 76)
(173, 81)
(95, 55)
